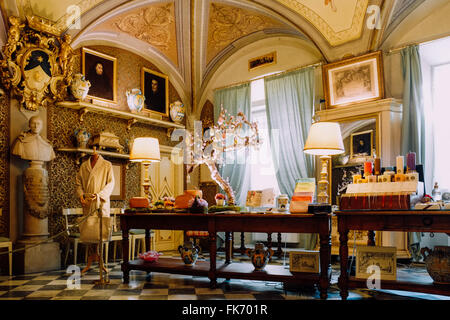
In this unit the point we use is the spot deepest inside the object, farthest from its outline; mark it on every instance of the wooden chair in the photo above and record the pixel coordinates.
(6, 243)
(116, 233)
(74, 237)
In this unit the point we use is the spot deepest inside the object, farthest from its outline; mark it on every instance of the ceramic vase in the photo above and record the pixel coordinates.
(282, 202)
(259, 256)
(438, 263)
(135, 100)
(79, 86)
(189, 253)
(177, 111)
(82, 138)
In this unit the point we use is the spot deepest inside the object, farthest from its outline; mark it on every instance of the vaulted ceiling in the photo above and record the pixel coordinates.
(190, 39)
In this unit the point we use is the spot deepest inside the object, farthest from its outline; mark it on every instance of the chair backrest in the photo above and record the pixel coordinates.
(114, 212)
(71, 212)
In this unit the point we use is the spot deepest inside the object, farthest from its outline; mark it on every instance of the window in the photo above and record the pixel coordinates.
(262, 170)
(441, 115)
(436, 77)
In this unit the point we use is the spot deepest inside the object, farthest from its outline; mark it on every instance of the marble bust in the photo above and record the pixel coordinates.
(30, 145)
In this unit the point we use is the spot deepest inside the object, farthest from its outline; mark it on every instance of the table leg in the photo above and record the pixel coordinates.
(147, 240)
(212, 254)
(325, 264)
(228, 247)
(269, 244)
(343, 253)
(279, 252)
(243, 248)
(371, 238)
(125, 252)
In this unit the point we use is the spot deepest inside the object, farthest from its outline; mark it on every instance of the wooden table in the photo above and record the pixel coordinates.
(228, 223)
(395, 220)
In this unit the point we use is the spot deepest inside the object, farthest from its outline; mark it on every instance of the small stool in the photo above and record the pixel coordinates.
(6, 243)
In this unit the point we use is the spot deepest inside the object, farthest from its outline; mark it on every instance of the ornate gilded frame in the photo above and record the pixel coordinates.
(166, 81)
(104, 56)
(377, 70)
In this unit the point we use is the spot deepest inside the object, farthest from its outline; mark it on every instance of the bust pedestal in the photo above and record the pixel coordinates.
(45, 256)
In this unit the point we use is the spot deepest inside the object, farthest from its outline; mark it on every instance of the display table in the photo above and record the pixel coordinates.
(228, 223)
(395, 220)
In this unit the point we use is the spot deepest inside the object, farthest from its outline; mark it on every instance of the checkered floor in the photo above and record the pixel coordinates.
(162, 286)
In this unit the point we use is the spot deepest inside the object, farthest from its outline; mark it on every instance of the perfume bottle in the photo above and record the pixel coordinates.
(436, 193)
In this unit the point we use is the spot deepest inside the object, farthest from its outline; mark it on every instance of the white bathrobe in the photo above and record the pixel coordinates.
(98, 180)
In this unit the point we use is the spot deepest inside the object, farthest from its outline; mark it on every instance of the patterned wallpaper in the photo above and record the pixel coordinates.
(4, 165)
(63, 122)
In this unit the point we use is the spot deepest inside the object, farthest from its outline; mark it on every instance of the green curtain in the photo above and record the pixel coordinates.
(413, 122)
(290, 104)
(234, 100)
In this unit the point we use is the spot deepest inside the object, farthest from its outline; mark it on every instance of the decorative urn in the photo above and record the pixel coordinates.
(189, 253)
(177, 111)
(438, 263)
(82, 137)
(135, 100)
(79, 86)
(259, 256)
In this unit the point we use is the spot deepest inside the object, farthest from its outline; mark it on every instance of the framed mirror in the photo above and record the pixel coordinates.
(362, 137)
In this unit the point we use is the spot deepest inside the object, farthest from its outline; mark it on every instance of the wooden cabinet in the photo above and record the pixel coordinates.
(166, 179)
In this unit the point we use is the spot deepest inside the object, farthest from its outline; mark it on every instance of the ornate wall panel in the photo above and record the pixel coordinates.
(227, 24)
(153, 24)
(63, 122)
(4, 165)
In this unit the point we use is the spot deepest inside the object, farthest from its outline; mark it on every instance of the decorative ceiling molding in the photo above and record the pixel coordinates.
(330, 31)
(401, 10)
(59, 14)
(228, 23)
(153, 24)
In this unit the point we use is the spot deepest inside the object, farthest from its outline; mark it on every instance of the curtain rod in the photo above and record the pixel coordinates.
(395, 50)
(315, 65)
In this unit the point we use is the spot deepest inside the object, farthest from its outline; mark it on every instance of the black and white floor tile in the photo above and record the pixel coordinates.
(163, 286)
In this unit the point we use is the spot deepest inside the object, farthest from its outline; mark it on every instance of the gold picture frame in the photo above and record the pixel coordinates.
(262, 61)
(353, 80)
(383, 257)
(119, 171)
(304, 261)
(160, 103)
(361, 145)
(104, 87)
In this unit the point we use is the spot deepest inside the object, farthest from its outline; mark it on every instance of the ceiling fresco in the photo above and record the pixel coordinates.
(189, 40)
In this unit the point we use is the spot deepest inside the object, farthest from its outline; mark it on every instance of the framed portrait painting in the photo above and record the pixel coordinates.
(119, 172)
(361, 144)
(101, 71)
(155, 87)
(353, 80)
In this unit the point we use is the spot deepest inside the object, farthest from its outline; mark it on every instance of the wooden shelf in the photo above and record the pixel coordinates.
(132, 118)
(81, 152)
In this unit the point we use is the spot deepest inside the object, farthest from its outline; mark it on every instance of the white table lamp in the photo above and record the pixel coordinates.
(324, 140)
(146, 151)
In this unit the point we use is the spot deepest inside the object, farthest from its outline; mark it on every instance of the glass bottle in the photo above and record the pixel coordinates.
(436, 193)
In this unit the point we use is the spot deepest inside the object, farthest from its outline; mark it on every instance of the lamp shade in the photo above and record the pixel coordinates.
(324, 139)
(145, 149)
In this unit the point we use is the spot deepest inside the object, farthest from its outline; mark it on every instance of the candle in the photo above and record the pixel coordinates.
(400, 164)
(411, 161)
(367, 168)
(356, 177)
(377, 166)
